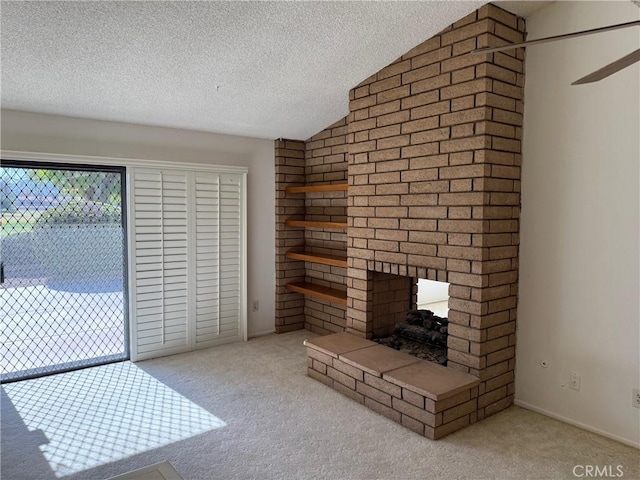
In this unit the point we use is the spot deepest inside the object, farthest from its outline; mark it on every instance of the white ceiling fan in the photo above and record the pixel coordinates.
(599, 74)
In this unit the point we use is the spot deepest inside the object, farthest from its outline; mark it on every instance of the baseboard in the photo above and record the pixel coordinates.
(262, 334)
(588, 428)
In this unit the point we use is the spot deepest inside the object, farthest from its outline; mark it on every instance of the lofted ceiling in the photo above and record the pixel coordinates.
(262, 69)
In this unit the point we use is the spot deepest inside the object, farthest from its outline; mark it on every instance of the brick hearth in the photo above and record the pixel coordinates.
(427, 398)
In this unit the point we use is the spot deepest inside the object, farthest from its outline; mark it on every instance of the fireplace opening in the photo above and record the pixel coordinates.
(410, 315)
(433, 296)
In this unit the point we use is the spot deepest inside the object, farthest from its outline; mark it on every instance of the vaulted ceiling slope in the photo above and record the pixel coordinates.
(261, 69)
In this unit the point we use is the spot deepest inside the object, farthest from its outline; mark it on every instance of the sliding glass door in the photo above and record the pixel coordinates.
(63, 290)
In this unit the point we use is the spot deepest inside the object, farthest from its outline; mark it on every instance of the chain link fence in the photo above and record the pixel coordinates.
(63, 296)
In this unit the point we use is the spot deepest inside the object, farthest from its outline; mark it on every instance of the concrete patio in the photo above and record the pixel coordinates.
(41, 327)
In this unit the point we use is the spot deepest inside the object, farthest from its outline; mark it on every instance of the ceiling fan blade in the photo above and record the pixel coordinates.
(610, 69)
(635, 23)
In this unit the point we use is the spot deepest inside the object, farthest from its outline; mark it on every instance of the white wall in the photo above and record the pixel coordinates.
(33, 132)
(579, 261)
(430, 291)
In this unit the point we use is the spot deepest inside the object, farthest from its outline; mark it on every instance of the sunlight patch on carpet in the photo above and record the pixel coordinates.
(103, 414)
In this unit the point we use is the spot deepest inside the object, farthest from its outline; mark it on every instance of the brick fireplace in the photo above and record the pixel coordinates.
(431, 155)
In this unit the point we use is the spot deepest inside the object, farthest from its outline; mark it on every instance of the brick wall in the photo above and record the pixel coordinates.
(290, 170)
(318, 161)
(325, 162)
(434, 189)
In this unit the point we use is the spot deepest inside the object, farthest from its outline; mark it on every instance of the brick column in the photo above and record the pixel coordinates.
(434, 182)
(289, 158)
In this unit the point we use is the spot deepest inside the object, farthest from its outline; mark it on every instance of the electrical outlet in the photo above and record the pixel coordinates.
(255, 305)
(635, 401)
(574, 381)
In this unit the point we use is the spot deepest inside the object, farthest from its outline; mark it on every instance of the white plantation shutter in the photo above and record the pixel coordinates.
(188, 273)
(217, 259)
(230, 247)
(207, 256)
(159, 218)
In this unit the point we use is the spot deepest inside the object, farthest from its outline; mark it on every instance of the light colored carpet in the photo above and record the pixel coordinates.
(248, 411)
(158, 471)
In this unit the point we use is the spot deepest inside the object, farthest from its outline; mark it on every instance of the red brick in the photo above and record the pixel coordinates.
(382, 409)
(348, 369)
(342, 378)
(338, 387)
(373, 393)
(319, 377)
(414, 412)
(386, 84)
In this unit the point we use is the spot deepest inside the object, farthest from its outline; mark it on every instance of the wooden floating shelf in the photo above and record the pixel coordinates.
(309, 224)
(315, 258)
(335, 187)
(318, 291)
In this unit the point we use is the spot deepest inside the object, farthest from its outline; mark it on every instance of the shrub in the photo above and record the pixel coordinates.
(81, 213)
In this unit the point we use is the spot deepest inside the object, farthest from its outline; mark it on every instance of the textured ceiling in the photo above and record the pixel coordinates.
(263, 69)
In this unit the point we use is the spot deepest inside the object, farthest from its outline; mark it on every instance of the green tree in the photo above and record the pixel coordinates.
(101, 187)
